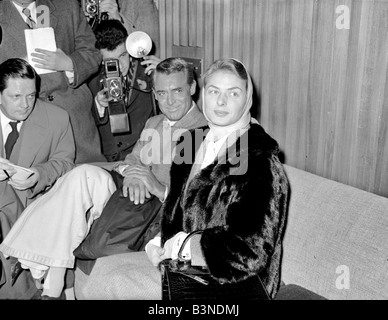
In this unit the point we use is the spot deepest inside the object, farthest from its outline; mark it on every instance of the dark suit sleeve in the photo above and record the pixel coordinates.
(86, 58)
(61, 159)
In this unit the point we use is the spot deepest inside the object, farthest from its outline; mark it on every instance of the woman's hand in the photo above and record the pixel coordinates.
(155, 254)
(173, 245)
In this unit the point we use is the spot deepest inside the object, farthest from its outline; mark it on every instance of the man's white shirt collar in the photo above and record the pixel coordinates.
(5, 126)
(31, 6)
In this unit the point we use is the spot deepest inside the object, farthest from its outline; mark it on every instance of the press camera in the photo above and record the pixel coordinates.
(91, 9)
(115, 92)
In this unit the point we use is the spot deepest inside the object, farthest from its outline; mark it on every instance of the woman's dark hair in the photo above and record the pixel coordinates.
(227, 64)
(17, 68)
(175, 65)
(110, 34)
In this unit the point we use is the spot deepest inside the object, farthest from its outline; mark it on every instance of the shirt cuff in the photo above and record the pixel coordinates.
(70, 76)
(179, 239)
(165, 195)
(100, 109)
(121, 168)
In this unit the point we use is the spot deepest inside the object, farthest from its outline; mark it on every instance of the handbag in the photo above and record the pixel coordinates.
(182, 281)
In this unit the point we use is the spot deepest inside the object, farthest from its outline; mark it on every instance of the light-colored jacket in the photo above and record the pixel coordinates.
(75, 37)
(45, 142)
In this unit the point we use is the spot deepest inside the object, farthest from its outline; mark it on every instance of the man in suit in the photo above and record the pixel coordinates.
(136, 15)
(144, 179)
(36, 135)
(75, 61)
(138, 99)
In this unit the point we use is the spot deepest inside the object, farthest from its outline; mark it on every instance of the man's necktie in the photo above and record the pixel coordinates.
(31, 23)
(11, 140)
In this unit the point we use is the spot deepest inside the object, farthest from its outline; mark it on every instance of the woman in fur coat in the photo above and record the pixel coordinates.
(229, 182)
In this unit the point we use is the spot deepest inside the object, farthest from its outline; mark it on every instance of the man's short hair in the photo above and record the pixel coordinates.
(175, 65)
(110, 34)
(17, 68)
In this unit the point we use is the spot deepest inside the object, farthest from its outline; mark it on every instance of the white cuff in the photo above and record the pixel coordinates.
(186, 253)
(121, 168)
(165, 195)
(70, 76)
(155, 241)
(100, 109)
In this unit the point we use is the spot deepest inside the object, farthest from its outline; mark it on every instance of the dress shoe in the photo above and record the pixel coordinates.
(16, 269)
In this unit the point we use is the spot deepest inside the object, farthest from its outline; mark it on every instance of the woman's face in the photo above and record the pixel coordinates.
(225, 96)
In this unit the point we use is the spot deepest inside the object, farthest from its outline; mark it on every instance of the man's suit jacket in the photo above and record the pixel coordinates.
(74, 36)
(45, 142)
(157, 142)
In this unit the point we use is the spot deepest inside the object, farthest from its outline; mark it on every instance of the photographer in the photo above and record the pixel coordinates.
(135, 15)
(136, 86)
(74, 62)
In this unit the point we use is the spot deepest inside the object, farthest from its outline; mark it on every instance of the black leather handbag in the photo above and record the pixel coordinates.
(182, 281)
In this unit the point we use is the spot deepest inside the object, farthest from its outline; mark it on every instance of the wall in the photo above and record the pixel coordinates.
(322, 85)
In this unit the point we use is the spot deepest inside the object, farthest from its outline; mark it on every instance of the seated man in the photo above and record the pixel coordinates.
(145, 171)
(138, 100)
(36, 135)
(74, 62)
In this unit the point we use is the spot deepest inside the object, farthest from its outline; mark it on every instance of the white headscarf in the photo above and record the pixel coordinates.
(219, 132)
(218, 135)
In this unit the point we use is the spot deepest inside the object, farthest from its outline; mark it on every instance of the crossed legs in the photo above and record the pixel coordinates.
(49, 229)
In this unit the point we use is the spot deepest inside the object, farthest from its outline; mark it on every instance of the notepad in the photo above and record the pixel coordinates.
(42, 38)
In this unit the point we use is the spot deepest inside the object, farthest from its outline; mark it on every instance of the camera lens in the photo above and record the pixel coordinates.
(115, 92)
(91, 9)
(114, 88)
(115, 83)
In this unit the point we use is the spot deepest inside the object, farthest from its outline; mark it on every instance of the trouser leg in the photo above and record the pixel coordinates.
(55, 224)
(10, 209)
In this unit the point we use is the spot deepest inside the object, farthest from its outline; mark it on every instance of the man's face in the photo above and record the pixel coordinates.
(173, 94)
(23, 3)
(18, 99)
(119, 53)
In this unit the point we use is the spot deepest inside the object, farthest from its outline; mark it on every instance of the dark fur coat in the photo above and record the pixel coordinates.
(243, 215)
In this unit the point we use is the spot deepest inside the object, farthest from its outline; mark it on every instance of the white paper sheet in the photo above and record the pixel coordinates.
(43, 38)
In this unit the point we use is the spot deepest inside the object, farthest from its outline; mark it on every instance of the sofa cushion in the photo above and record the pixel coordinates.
(126, 276)
(335, 241)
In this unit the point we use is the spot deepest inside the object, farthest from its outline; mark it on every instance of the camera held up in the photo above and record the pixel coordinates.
(91, 9)
(115, 92)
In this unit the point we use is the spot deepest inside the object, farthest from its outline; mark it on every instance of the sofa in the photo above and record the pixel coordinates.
(335, 243)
